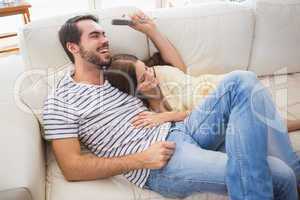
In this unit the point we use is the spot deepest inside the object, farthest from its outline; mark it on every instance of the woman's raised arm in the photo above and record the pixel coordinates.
(168, 52)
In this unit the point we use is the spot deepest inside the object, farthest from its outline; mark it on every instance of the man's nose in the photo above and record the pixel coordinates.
(105, 41)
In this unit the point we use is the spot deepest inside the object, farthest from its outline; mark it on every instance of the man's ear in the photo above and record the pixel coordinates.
(72, 47)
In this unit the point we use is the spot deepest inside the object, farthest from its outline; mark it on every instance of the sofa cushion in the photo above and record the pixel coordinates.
(41, 48)
(284, 90)
(33, 86)
(212, 38)
(115, 188)
(276, 47)
(15, 194)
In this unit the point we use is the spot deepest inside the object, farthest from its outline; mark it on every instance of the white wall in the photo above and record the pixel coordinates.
(47, 8)
(42, 9)
(143, 4)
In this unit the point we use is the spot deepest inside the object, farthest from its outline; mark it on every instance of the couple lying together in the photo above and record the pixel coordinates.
(219, 134)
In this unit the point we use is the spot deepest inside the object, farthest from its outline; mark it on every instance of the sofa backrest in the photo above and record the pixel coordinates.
(212, 38)
(276, 47)
(41, 48)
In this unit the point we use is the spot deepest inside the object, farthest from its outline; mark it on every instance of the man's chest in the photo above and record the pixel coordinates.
(107, 109)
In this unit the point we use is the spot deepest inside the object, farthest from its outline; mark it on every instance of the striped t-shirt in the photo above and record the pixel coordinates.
(99, 116)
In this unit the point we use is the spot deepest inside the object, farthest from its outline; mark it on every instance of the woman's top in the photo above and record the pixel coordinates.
(184, 92)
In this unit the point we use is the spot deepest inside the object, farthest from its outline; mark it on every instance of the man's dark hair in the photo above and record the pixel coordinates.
(69, 32)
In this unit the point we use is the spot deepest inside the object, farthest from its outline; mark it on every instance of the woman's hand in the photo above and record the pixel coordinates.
(142, 23)
(148, 119)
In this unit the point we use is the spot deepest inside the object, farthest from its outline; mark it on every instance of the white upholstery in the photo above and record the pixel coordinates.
(276, 47)
(213, 38)
(115, 188)
(22, 152)
(40, 37)
(284, 90)
(15, 194)
(295, 138)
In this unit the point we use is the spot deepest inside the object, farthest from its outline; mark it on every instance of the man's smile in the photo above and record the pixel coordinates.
(103, 50)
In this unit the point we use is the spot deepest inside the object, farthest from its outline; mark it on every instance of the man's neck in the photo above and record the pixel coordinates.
(88, 73)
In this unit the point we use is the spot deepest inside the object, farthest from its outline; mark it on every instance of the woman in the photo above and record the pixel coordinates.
(250, 167)
(165, 89)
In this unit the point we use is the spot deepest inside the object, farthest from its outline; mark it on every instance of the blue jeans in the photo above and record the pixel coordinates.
(259, 162)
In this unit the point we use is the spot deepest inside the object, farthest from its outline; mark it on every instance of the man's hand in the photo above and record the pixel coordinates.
(142, 23)
(157, 155)
(81, 167)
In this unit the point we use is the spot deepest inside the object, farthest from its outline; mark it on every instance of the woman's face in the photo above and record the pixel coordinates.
(145, 75)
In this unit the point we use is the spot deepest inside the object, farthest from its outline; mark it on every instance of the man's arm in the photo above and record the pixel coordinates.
(77, 166)
(168, 52)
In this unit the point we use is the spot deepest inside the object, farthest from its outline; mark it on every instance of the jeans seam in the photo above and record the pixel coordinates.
(236, 82)
(218, 101)
(190, 180)
(240, 159)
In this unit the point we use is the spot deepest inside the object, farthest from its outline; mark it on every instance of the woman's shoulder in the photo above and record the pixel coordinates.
(168, 72)
(165, 67)
(168, 69)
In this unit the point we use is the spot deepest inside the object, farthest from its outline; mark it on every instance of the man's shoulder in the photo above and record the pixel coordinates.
(60, 89)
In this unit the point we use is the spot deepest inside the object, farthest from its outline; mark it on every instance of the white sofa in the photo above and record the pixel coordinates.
(212, 38)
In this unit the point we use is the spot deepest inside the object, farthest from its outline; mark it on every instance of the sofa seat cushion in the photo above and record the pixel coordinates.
(295, 139)
(284, 90)
(16, 194)
(115, 188)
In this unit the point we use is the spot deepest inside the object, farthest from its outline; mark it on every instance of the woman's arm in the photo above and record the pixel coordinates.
(174, 116)
(293, 125)
(150, 119)
(168, 52)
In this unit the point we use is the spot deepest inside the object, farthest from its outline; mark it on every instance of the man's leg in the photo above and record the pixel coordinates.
(229, 114)
(193, 169)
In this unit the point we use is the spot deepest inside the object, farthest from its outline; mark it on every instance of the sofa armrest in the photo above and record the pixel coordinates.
(15, 194)
(22, 154)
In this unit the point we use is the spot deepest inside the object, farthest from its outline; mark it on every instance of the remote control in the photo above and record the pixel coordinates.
(124, 22)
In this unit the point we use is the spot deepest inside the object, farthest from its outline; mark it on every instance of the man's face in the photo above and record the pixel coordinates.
(94, 45)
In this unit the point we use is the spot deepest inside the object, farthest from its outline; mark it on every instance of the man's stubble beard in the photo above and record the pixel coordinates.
(91, 57)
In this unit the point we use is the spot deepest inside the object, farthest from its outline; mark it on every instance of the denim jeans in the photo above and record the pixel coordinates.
(258, 162)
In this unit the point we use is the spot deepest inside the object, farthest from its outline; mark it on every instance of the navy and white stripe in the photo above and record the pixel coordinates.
(99, 116)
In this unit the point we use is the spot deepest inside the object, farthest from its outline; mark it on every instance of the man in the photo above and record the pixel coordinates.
(167, 158)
